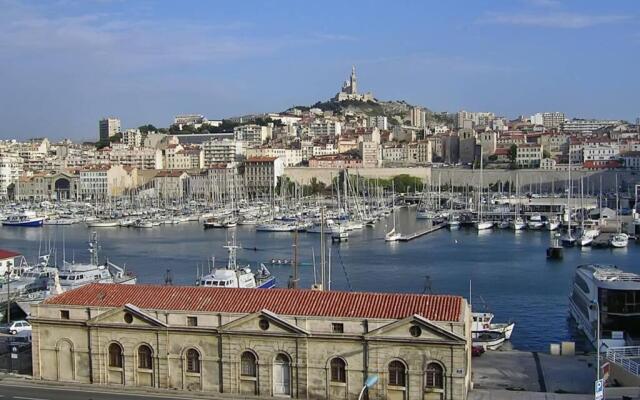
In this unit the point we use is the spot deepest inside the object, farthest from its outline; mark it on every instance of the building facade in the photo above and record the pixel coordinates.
(55, 185)
(261, 174)
(108, 127)
(10, 170)
(271, 343)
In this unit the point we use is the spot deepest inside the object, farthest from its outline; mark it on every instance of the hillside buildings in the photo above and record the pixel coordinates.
(248, 342)
(10, 170)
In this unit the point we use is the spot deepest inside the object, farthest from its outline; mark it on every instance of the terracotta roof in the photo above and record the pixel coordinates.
(4, 254)
(279, 301)
(261, 159)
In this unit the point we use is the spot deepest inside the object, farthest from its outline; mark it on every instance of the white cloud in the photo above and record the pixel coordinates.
(552, 20)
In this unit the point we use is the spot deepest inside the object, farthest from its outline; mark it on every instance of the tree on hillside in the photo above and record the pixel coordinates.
(513, 153)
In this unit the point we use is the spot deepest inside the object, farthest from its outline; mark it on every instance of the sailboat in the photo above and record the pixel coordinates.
(480, 224)
(392, 235)
(586, 235)
(518, 223)
(620, 239)
(567, 239)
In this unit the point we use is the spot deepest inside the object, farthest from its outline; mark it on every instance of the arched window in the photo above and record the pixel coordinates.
(435, 376)
(338, 370)
(396, 373)
(193, 361)
(115, 355)
(145, 360)
(248, 364)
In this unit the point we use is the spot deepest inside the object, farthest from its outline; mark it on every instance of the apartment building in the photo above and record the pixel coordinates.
(223, 151)
(101, 182)
(529, 155)
(253, 135)
(261, 174)
(11, 166)
(108, 128)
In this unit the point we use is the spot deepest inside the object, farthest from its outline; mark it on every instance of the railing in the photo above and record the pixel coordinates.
(627, 357)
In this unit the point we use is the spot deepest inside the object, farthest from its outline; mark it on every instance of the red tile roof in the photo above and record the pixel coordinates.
(4, 254)
(279, 301)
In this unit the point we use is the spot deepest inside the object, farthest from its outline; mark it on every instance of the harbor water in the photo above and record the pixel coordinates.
(505, 271)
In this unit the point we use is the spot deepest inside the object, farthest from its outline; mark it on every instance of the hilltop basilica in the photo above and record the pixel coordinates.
(349, 90)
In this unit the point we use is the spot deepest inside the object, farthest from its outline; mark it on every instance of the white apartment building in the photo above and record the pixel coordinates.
(222, 151)
(10, 170)
(529, 155)
(378, 121)
(417, 117)
(440, 129)
(253, 135)
(600, 152)
(132, 138)
(108, 127)
(325, 128)
(587, 125)
(141, 158)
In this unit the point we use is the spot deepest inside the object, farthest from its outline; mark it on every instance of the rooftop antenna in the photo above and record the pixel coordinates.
(168, 278)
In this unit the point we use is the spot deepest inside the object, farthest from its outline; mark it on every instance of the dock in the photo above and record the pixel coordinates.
(422, 232)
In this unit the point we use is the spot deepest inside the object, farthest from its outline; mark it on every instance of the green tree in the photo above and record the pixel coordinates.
(546, 154)
(513, 153)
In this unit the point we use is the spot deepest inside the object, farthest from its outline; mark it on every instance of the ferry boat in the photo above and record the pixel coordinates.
(615, 295)
(27, 218)
(483, 322)
(237, 277)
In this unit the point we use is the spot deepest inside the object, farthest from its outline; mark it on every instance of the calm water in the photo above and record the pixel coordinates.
(508, 270)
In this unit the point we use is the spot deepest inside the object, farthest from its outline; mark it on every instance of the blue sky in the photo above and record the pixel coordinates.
(64, 64)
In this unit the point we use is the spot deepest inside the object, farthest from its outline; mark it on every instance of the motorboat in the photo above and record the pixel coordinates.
(339, 235)
(568, 240)
(25, 219)
(607, 295)
(619, 240)
(483, 322)
(425, 214)
(535, 222)
(503, 224)
(276, 227)
(233, 276)
(142, 223)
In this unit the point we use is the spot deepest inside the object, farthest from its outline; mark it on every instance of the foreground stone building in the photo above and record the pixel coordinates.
(277, 342)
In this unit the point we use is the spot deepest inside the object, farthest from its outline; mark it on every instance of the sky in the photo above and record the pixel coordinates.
(64, 64)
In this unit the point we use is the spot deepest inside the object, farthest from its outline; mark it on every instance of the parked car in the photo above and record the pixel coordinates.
(476, 351)
(19, 326)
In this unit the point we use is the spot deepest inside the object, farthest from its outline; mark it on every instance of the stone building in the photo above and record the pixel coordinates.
(278, 342)
(52, 185)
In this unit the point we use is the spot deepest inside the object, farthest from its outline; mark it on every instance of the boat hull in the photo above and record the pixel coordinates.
(36, 222)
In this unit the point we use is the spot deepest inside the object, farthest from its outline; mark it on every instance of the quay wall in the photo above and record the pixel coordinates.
(529, 179)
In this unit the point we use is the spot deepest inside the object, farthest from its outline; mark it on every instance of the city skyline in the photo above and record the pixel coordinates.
(68, 64)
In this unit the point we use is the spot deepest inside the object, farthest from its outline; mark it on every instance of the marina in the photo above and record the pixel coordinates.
(508, 270)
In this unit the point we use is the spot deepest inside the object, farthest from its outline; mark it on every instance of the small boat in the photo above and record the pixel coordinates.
(488, 340)
(25, 219)
(276, 227)
(105, 223)
(503, 224)
(553, 224)
(392, 236)
(339, 235)
(141, 223)
(619, 240)
(555, 250)
(568, 240)
(454, 224)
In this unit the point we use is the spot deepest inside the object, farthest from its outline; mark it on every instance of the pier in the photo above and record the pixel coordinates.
(422, 232)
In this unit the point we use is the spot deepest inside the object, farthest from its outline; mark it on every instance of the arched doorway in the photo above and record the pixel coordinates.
(62, 187)
(282, 375)
(66, 361)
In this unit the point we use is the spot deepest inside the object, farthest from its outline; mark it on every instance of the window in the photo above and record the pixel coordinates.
(263, 324)
(338, 370)
(64, 314)
(434, 376)
(193, 361)
(337, 328)
(396, 373)
(144, 357)
(192, 321)
(115, 355)
(248, 364)
(128, 318)
(415, 331)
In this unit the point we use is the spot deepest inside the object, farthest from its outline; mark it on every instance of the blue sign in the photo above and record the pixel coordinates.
(600, 389)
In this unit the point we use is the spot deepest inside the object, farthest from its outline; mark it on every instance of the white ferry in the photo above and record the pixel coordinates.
(612, 293)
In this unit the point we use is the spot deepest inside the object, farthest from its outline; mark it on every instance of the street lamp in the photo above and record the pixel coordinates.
(596, 304)
(7, 275)
(371, 380)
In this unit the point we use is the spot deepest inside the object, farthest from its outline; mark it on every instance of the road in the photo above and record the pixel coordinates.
(28, 391)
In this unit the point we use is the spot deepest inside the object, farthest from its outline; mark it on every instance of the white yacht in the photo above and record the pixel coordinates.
(237, 277)
(553, 223)
(483, 225)
(614, 294)
(518, 224)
